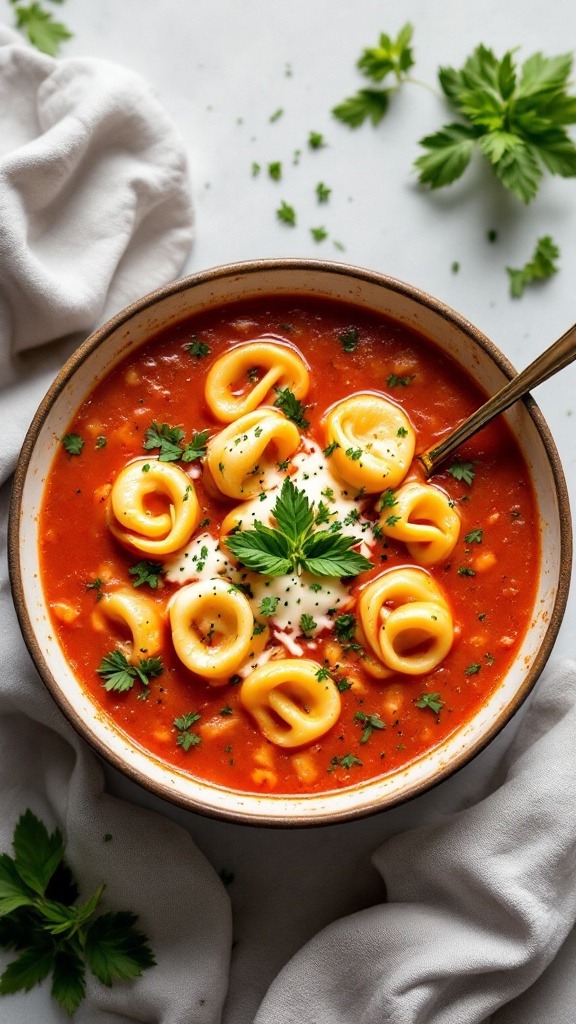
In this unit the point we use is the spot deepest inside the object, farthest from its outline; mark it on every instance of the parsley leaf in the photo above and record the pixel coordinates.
(166, 438)
(119, 674)
(146, 572)
(295, 544)
(291, 407)
(345, 627)
(376, 63)
(268, 605)
(54, 934)
(72, 443)
(370, 722)
(307, 624)
(430, 700)
(186, 738)
(43, 32)
(196, 448)
(286, 214)
(538, 268)
(513, 116)
(462, 471)
(197, 348)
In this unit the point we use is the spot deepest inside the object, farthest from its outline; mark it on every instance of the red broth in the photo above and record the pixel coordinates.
(489, 578)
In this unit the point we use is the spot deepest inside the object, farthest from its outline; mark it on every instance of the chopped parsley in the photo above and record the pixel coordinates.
(540, 267)
(430, 700)
(96, 585)
(286, 214)
(186, 738)
(322, 192)
(331, 448)
(146, 572)
(474, 537)
(345, 627)
(463, 471)
(268, 605)
(72, 443)
(399, 382)
(369, 722)
(307, 625)
(198, 349)
(120, 675)
(349, 339)
(291, 407)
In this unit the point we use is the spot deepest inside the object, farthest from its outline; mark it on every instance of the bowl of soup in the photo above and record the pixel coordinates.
(230, 570)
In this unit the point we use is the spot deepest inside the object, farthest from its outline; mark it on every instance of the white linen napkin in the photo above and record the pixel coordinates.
(94, 212)
(477, 904)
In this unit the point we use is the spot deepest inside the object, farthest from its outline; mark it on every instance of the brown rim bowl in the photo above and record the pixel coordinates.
(212, 288)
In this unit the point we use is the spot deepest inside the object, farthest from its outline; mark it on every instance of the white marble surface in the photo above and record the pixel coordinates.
(222, 68)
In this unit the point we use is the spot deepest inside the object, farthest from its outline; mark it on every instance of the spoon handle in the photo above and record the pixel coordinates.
(553, 359)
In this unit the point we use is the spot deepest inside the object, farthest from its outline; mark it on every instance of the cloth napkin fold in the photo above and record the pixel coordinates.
(478, 904)
(95, 211)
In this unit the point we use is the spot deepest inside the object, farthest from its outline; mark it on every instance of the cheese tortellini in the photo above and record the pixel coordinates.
(134, 520)
(138, 616)
(375, 441)
(243, 456)
(424, 520)
(212, 629)
(245, 377)
(406, 620)
(291, 705)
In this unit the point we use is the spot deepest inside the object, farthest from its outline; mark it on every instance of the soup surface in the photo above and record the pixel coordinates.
(246, 569)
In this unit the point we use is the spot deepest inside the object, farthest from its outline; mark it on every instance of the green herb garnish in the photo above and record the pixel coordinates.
(72, 443)
(119, 674)
(376, 63)
(295, 544)
(146, 572)
(540, 267)
(50, 931)
(291, 407)
(514, 116)
(430, 700)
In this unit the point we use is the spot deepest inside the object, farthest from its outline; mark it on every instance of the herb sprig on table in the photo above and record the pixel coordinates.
(41, 921)
(389, 57)
(294, 544)
(514, 116)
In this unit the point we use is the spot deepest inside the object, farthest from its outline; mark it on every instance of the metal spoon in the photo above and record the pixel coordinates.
(555, 358)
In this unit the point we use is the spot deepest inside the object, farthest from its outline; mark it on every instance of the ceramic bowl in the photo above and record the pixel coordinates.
(169, 305)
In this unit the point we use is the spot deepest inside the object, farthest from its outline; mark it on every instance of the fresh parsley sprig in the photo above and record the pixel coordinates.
(50, 932)
(514, 116)
(169, 442)
(292, 407)
(389, 57)
(119, 674)
(294, 544)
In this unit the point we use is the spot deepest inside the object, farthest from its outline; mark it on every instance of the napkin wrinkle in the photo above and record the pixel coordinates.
(478, 904)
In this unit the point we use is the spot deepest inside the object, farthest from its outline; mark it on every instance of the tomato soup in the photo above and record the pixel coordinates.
(246, 568)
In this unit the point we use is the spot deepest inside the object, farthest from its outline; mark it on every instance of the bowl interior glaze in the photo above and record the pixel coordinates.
(134, 325)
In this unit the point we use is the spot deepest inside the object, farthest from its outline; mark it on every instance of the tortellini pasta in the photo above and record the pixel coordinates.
(243, 456)
(132, 517)
(137, 615)
(245, 377)
(423, 518)
(375, 441)
(406, 620)
(291, 705)
(212, 629)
